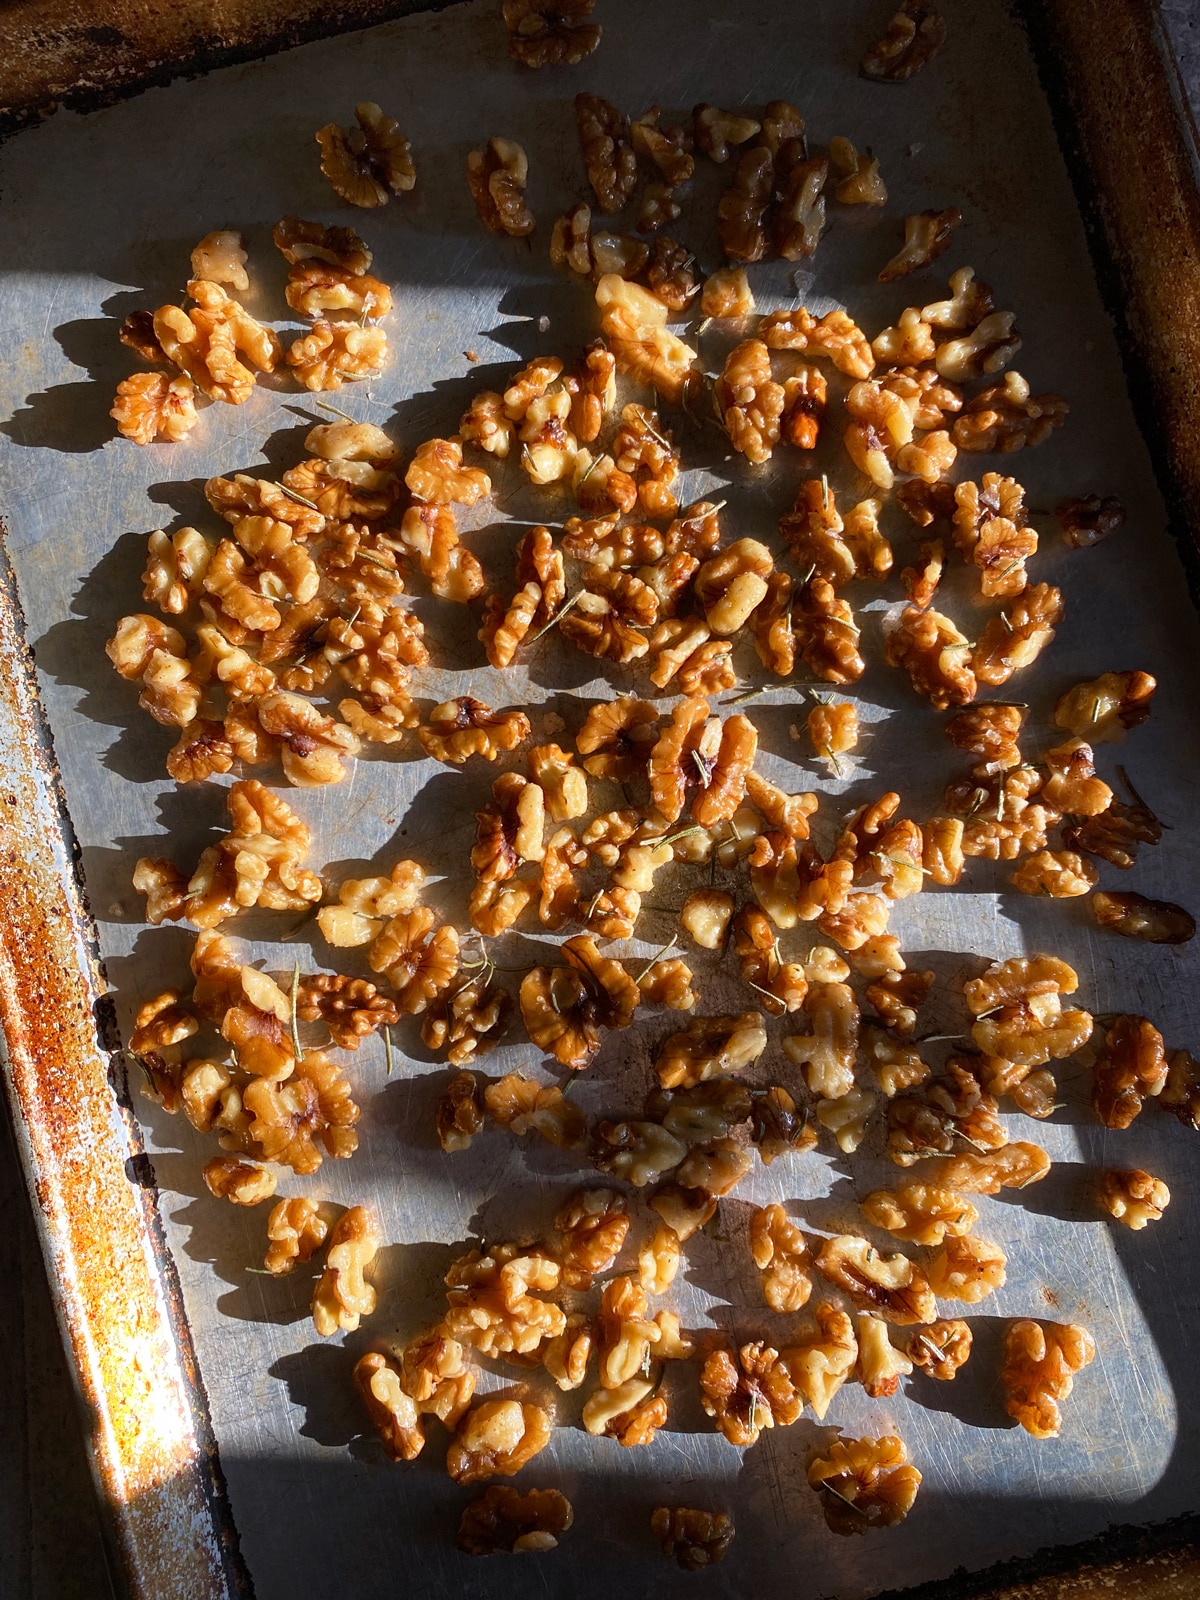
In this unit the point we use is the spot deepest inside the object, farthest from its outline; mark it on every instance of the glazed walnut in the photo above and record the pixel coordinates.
(150, 406)
(940, 1348)
(468, 1021)
(459, 729)
(496, 1438)
(1105, 708)
(748, 1392)
(1087, 520)
(548, 33)
(497, 176)
(865, 1483)
(926, 235)
(1130, 1068)
(460, 1112)
(640, 1153)
(343, 1297)
(1061, 874)
(880, 1364)
(1137, 917)
(696, 1539)
(1019, 1014)
(296, 1230)
(967, 1268)
(1014, 1166)
(708, 1047)
(1116, 834)
(914, 35)
(240, 1182)
(753, 402)
(608, 155)
(205, 343)
(827, 1052)
(1133, 1197)
(891, 1285)
(824, 1360)
(742, 209)
(333, 353)
(716, 130)
(503, 1520)
(593, 1224)
(564, 1008)
(493, 1300)
(313, 1106)
(726, 293)
(936, 656)
(367, 164)
(781, 1255)
(922, 1213)
(633, 323)
(1040, 1363)
(1007, 416)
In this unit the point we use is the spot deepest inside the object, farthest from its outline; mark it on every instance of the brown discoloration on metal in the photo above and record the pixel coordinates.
(87, 53)
(155, 1468)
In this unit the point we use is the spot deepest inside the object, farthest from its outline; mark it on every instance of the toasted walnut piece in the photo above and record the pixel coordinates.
(459, 729)
(1105, 708)
(547, 33)
(914, 35)
(684, 1211)
(752, 401)
(593, 1224)
(616, 737)
(563, 1008)
(936, 656)
(749, 1393)
(421, 961)
(909, 342)
(742, 209)
(630, 1413)
(491, 1303)
(1181, 1095)
(940, 1348)
(708, 1047)
(1137, 917)
(805, 394)
(724, 784)
(566, 1355)
(967, 1268)
(1061, 874)
(343, 1296)
(150, 406)
(351, 1008)
(987, 348)
(313, 288)
(897, 997)
(865, 1483)
(926, 235)
(715, 131)
(656, 208)
(238, 1181)
(1007, 416)
(988, 731)
(668, 148)
(951, 1107)
(834, 335)
(782, 984)
(162, 1022)
(781, 1255)
(1088, 519)
(705, 917)
(892, 1285)
(1130, 1068)
(496, 1438)
(460, 1112)
(715, 1168)
(608, 614)
(638, 1152)
(1133, 1197)
(827, 1053)
(504, 628)
(1014, 640)
(1018, 1011)
(668, 983)
(298, 240)
(497, 176)
(922, 1213)
(175, 568)
(392, 1411)
(137, 333)
(312, 747)
(467, 1022)
(827, 634)
(882, 421)
(726, 293)
(1011, 1167)
(337, 352)
(290, 1117)
(671, 276)
(822, 1362)
(857, 180)
(502, 1520)
(296, 1231)
(847, 1117)
(369, 163)
(1040, 1362)
(633, 322)
(625, 1334)
(732, 583)
(799, 216)
(695, 1539)
(833, 731)
(658, 1261)
(880, 1364)
(705, 1114)
(205, 343)
(1116, 833)
(777, 1128)
(608, 155)
(365, 904)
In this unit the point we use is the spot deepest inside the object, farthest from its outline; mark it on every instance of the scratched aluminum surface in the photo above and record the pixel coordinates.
(101, 213)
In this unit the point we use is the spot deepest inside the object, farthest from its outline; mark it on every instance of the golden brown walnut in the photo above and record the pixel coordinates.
(891, 1285)
(367, 164)
(865, 1483)
(1019, 1014)
(314, 288)
(298, 240)
(549, 33)
(1007, 416)
(658, 1260)
(593, 1224)
(497, 176)
(827, 1052)
(671, 276)
(782, 984)
(799, 216)
(835, 336)
(987, 348)
(564, 1008)
(926, 235)
(668, 983)
(420, 959)
(1014, 1166)
(668, 148)
(1105, 708)
(714, 1168)
(708, 1047)
(897, 997)
(393, 1412)
(333, 353)
(240, 1182)
(696, 1539)
(967, 1268)
(988, 731)
(631, 1413)
(351, 1008)
(1116, 834)
(726, 293)
(827, 634)
(502, 1520)
(1040, 1363)
(1131, 1067)
(436, 474)
(150, 406)
(749, 1392)
(343, 1296)
(162, 1022)
(467, 1022)
(880, 1364)
(289, 1118)
(608, 155)
(742, 209)
(951, 1107)
(509, 830)
(608, 614)
(936, 656)
(781, 1255)
(312, 747)
(633, 322)
(460, 1112)
(914, 35)
(459, 729)
(776, 1127)
(705, 1114)
(492, 1304)
(148, 650)
(1181, 1095)
(824, 1360)
(1133, 1197)
(922, 1213)
(1061, 874)
(833, 731)
(1087, 520)
(715, 131)
(496, 1438)
(205, 343)
(940, 1348)
(752, 401)
(856, 177)
(175, 568)
(639, 1153)
(627, 1337)
(617, 736)
(296, 1231)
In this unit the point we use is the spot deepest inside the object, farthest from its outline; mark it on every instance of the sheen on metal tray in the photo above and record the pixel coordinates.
(103, 211)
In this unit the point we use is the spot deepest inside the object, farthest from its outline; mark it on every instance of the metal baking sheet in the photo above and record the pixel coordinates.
(102, 211)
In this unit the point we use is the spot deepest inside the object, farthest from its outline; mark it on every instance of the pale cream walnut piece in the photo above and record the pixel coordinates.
(240, 1182)
(546, 33)
(695, 1539)
(459, 729)
(940, 1348)
(366, 904)
(833, 731)
(1130, 1068)
(1040, 1363)
(865, 1483)
(926, 235)
(827, 1052)
(781, 1255)
(847, 1117)
(685, 1211)
(633, 323)
(1104, 709)
(1014, 1166)
(368, 164)
(468, 1021)
(967, 1268)
(891, 1285)
(150, 406)
(608, 155)
(593, 1224)
(727, 293)
(625, 1333)
(502, 1520)
(658, 1260)
(393, 1412)
(733, 583)
(715, 1168)
(970, 300)
(1133, 1196)
(880, 1364)
(496, 1438)
(461, 1113)
(296, 1230)
(747, 1392)
(343, 1296)
(705, 917)
(492, 1303)
(639, 1153)
(716, 132)
(669, 983)
(205, 343)
(709, 1047)
(824, 1359)
(333, 353)
(921, 1213)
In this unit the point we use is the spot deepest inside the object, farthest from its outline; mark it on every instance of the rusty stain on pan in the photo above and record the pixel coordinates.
(152, 1446)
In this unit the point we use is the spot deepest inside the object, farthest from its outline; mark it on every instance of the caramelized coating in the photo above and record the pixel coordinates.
(1040, 1363)
(748, 1392)
(1007, 416)
(496, 1438)
(926, 235)
(593, 1224)
(1116, 834)
(608, 155)
(967, 1268)
(459, 729)
(1137, 917)
(891, 1285)
(546, 33)
(460, 1112)
(1088, 519)
(781, 1255)
(936, 656)
(369, 163)
(940, 1348)
(708, 1047)
(150, 406)
(1106, 708)
(1014, 1166)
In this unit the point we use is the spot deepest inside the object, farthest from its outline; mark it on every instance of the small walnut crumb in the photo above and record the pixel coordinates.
(1040, 1362)
(926, 235)
(368, 164)
(696, 1539)
(502, 1520)
(914, 35)
(940, 1348)
(1133, 1197)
